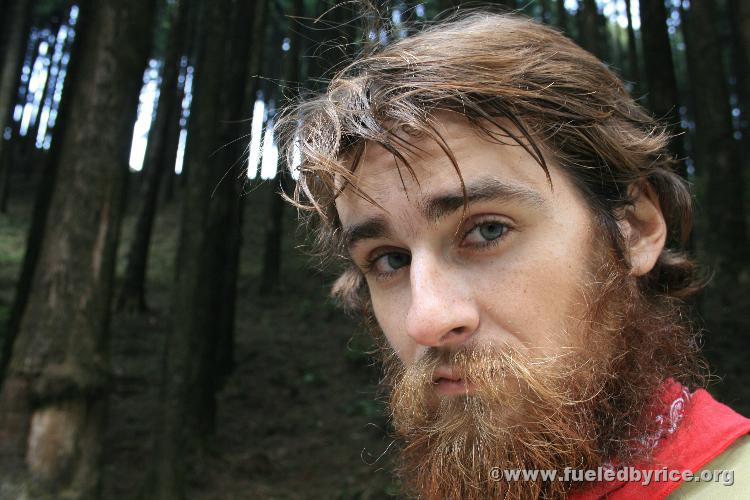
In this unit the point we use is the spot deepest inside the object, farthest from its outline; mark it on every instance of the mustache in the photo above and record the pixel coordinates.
(506, 377)
(477, 363)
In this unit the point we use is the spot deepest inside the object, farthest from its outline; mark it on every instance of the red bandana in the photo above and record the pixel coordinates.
(697, 430)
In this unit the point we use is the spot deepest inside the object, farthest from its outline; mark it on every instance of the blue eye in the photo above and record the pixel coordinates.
(398, 260)
(389, 263)
(492, 230)
(487, 233)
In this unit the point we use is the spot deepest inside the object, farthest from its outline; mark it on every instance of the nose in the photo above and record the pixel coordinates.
(442, 312)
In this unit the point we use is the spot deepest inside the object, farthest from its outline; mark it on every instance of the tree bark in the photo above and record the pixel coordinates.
(271, 272)
(5, 6)
(716, 153)
(544, 12)
(246, 94)
(157, 161)
(739, 13)
(52, 405)
(562, 16)
(633, 66)
(20, 14)
(42, 201)
(661, 80)
(590, 28)
(271, 269)
(208, 246)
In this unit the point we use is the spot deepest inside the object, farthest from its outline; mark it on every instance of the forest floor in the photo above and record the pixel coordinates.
(298, 418)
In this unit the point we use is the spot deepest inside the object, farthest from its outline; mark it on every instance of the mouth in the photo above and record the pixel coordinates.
(449, 382)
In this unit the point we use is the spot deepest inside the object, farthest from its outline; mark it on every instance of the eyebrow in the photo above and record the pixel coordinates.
(371, 228)
(439, 206)
(487, 189)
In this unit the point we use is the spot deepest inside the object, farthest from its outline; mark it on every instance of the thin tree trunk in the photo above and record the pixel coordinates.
(271, 273)
(173, 141)
(590, 28)
(661, 81)
(633, 66)
(52, 405)
(5, 6)
(253, 54)
(188, 392)
(227, 218)
(271, 270)
(7, 157)
(133, 292)
(562, 15)
(739, 13)
(20, 14)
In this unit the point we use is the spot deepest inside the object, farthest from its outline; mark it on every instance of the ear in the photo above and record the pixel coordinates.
(644, 229)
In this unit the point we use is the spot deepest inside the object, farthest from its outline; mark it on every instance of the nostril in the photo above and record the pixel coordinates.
(440, 312)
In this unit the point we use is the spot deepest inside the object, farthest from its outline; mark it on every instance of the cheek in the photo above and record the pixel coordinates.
(390, 312)
(534, 295)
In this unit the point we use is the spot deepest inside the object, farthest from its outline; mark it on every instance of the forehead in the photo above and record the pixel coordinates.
(387, 181)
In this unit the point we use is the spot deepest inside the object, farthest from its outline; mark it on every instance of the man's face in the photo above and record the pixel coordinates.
(508, 271)
(518, 336)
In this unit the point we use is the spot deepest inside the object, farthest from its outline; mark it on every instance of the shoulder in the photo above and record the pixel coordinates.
(727, 476)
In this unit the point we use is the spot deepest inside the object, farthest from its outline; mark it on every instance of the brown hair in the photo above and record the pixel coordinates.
(514, 79)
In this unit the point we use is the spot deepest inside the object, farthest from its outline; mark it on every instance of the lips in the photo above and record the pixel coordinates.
(447, 374)
(449, 382)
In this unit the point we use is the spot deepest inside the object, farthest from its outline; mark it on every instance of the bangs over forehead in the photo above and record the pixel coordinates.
(516, 81)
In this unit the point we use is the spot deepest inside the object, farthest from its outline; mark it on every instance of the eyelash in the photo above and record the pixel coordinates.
(370, 264)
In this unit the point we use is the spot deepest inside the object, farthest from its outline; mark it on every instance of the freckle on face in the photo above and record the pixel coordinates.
(525, 290)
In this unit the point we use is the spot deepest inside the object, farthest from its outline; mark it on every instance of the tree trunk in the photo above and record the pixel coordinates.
(590, 28)
(544, 12)
(206, 250)
(239, 98)
(156, 163)
(5, 6)
(633, 66)
(15, 48)
(271, 270)
(716, 153)
(52, 404)
(562, 16)
(173, 138)
(253, 54)
(739, 14)
(42, 200)
(740, 9)
(663, 95)
(271, 273)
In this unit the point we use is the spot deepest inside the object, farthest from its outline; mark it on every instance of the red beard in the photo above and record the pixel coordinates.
(585, 406)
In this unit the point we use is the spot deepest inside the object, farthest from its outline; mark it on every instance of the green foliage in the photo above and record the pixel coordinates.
(366, 407)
